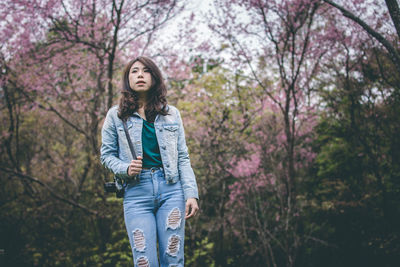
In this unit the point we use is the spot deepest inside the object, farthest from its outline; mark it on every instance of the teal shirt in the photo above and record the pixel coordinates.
(151, 151)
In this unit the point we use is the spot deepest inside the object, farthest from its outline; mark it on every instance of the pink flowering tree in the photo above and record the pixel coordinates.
(360, 92)
(274, 44)
(259, 190)
(63, 56)
(380, 22)
(61, 64)
(283, 46)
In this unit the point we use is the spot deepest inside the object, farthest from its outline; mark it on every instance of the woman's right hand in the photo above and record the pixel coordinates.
(135, 167)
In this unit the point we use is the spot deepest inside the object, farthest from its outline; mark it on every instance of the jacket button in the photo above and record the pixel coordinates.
(164, 147)
(167, 165)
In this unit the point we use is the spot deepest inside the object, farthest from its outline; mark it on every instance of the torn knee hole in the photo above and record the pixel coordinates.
(174, 219)
(139, 240)
(143, 262)
(173, 245)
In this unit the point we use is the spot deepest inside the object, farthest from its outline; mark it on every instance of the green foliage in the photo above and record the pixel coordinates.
(356, 181)
(201, 255)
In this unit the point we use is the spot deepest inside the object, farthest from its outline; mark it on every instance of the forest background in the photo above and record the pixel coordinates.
(291, 112)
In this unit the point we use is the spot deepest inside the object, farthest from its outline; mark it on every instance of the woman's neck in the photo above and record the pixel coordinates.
(143, 98)
(142, 112)
(142, 101)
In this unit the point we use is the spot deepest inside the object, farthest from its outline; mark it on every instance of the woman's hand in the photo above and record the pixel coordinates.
(135, 167)
(191, 208)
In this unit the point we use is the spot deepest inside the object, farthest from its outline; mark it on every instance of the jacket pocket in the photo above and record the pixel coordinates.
(171, 128)
(121, 127)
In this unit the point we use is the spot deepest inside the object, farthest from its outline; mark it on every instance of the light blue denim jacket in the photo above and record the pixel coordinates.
(116, 156)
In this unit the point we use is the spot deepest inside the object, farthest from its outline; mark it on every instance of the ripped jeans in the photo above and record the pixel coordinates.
(155, 210)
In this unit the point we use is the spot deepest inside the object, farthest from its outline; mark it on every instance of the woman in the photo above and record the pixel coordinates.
(156, 206)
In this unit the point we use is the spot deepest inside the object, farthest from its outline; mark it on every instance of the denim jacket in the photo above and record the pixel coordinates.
(116, 156)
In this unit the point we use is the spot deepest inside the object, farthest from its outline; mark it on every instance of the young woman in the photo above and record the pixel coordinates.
(157, 204)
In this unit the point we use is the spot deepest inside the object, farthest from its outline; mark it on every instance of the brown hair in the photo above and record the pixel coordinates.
(157, 104)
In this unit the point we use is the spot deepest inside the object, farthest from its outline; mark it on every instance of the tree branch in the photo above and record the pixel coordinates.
(392, 51)
(394, 12)
(49, 189)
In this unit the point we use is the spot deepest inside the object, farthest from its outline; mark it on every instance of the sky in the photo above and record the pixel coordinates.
(175, 27)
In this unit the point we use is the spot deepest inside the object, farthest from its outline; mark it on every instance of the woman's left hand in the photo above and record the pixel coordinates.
(191, 208)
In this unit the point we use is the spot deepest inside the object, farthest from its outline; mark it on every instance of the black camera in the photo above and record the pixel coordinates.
(110, 187)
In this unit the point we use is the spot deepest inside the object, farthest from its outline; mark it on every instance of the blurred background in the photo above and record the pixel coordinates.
(291, 112)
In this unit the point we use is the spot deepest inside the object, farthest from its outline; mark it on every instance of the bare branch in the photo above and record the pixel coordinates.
(392, 51)
(394, 12)
(49, 189)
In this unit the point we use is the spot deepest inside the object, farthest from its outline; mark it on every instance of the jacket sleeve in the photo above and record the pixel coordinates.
(186, 173)
(109, 148)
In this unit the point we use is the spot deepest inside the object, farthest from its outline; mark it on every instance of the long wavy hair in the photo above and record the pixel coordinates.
(157, 102)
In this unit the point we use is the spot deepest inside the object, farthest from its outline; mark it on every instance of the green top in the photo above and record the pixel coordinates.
(151, 151)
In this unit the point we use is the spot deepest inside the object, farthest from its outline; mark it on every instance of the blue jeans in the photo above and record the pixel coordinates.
(155, 210)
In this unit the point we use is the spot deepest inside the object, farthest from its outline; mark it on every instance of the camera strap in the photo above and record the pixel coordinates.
(129, 140)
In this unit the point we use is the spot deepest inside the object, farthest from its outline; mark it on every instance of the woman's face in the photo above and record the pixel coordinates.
(140, 77)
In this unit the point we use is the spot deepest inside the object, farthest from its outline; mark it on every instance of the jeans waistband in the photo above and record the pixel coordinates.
(149, 168)
(144, 173)
(152, 169)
